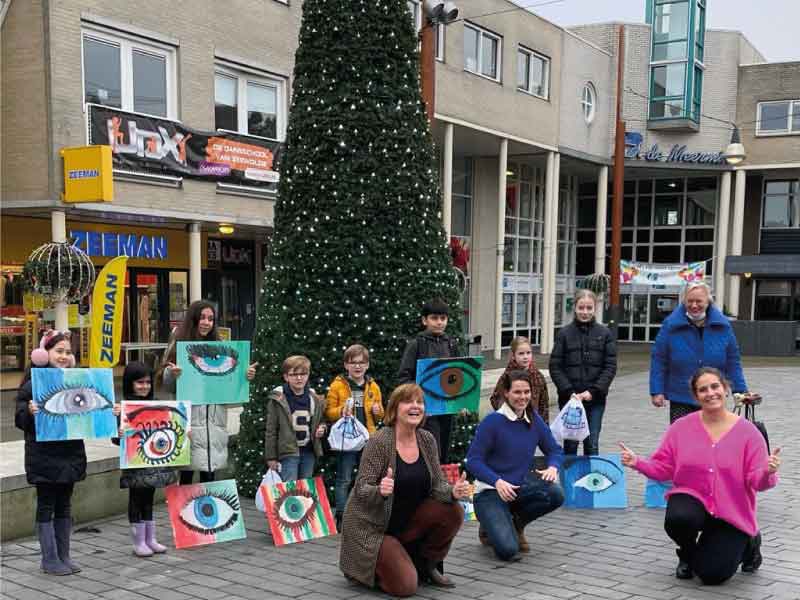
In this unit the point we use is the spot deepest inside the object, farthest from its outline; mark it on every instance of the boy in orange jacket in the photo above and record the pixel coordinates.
(356, 395)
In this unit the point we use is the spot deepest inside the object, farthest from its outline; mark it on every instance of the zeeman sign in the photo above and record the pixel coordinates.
(107, 302)
(131, 245)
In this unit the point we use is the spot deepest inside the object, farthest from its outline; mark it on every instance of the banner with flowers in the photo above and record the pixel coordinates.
(632, 272)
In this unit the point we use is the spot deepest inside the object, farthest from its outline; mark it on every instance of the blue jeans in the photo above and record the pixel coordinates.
(499, 519)
(591, 445)
(298, 467)
(345, 463)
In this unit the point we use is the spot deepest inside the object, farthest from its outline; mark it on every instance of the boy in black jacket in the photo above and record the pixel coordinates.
(431, 343)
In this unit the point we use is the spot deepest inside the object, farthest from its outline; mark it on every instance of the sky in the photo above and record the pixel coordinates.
(770, 25)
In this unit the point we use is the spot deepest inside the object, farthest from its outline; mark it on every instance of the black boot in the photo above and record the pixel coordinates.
(752, 558)
(684, 569)
(51, 563)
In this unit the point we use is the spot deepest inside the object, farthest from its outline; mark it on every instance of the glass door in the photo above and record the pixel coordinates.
(149, 302)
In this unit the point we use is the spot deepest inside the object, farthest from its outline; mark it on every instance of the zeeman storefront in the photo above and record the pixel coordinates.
(156, 286)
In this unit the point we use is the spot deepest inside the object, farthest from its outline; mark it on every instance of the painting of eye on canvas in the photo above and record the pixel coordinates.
(213, 372)
(74, 404)
(154, 434)
(298, 510)
(450, 385)
(594, 482)
(205, 513)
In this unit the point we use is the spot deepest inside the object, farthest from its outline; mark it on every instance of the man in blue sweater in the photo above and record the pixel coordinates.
(507, 495)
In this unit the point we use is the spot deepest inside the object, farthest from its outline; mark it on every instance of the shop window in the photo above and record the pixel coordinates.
(700, 235)
(249, 103)
(533, 72)
(666, 254)
(643, 211)
(778, 118)
(481, 52)
(668, 210)
(778, 300)
(124, 72)
(699, 253)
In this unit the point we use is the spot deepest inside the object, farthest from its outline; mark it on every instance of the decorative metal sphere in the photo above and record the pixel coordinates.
(596, 282)
(59, 271)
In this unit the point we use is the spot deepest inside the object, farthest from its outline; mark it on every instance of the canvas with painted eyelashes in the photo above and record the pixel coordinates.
(655, 493)
(155, 434)
(298, 510)
(213, 372)
(205, 513)
(74, 404)
(450, 385)
(594, 482)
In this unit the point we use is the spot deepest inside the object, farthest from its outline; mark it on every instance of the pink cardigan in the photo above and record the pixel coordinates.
(724, 476)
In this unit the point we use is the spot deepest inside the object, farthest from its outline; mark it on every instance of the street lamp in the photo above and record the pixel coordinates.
(734, 153)
(434, 13)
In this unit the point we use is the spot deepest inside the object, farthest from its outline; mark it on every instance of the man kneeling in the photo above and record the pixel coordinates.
(507, 495)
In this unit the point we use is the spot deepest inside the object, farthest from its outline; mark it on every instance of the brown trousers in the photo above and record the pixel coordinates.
(428, 536)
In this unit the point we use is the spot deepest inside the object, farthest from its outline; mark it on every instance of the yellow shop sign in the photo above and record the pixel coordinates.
(88, 174)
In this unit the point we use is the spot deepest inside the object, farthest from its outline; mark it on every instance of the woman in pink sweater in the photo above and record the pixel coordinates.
(717, 462)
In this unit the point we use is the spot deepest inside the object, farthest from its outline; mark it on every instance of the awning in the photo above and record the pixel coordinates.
(764, 265)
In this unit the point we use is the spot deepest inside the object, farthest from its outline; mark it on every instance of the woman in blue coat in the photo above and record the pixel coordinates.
(695, 335)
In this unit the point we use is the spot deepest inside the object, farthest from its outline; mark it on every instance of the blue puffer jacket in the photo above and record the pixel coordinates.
(680, 350)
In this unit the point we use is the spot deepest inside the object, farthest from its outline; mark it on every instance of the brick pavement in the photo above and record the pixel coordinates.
(592, 555)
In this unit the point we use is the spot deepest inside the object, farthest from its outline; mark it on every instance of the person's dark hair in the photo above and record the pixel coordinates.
(437, 306)
(48, 345)
(188, 330)
(519, 375)
(707, 371)
(134, 372)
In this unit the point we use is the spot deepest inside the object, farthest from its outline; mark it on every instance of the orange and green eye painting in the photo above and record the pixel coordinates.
(450, 385)
(154, 434)
(298, 510)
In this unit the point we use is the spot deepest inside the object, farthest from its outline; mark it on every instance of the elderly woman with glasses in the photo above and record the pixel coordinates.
(695, 335)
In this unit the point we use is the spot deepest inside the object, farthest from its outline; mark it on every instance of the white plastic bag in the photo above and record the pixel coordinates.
(348, 434)
(571, 423)
(271, 477)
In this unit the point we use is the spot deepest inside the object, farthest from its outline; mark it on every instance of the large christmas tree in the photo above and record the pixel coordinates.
(358, 244)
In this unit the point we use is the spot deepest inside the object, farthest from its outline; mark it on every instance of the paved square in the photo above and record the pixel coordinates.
(609, 554)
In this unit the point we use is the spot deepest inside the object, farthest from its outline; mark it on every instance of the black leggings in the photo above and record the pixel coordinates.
(205, 476)
(53, 499)
(716, 555)
(441, 426)
(140, 504)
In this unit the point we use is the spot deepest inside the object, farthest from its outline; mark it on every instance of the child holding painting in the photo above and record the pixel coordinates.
(53, 467)
(295, 427)
(356, 395)
(137, 384)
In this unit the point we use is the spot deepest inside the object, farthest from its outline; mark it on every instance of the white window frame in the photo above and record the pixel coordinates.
(482, 33)
(531, 54)
(127, 43)
(415, 7)
(589, 108)
(243, 75)
(792, 123)
(440, 29)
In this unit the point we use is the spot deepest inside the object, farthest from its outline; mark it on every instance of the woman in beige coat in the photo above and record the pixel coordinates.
(401, 516)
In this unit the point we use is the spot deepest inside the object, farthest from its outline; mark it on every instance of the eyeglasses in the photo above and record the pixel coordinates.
(298, 374)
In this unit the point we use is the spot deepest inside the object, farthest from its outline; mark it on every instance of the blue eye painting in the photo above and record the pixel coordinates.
(74, 404)
(654, 493)
(205, 513)
(594, 482)
(450, 384)
(213, 372)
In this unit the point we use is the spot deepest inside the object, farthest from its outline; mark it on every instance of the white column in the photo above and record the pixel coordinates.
(447, 181)
(721, 245)
(548, 276)
(736, 239)
(58, 225)
(502, 167)
(195, 263)
(600, 228)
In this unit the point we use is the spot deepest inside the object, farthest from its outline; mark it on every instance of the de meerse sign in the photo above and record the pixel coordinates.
(678, 154)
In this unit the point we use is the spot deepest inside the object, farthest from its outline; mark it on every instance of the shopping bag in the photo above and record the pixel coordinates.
(271, 477)
(571, 423)
(348, 434)
(749, 402)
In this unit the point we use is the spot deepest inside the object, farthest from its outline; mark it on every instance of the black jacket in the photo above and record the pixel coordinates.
(425, 345)
(584, 358)
(47, 462)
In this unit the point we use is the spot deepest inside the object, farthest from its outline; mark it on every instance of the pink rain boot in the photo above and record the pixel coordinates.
(138, 534)
(150, 538)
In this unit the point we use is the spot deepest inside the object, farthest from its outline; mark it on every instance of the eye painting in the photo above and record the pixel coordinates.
(594, 482)
(212, 360)
(450, 384)
(298, 511)
(73, 403)
(205, 513)
(155, 434)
